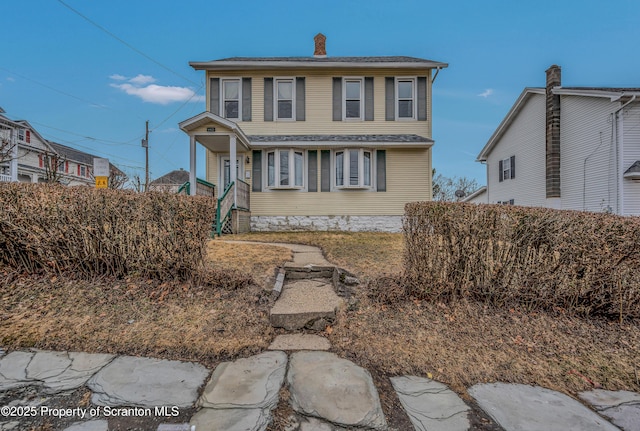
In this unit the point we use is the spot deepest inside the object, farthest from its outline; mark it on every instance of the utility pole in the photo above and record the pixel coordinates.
(145, 144)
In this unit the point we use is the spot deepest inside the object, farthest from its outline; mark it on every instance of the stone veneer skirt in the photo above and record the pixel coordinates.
(327, 223)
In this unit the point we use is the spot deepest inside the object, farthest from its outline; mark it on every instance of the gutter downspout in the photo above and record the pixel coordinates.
(619, 143)
(436, 75)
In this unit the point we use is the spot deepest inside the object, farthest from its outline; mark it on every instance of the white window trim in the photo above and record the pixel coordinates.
(275, 97)
(505, 169)
(277, 151)
(414, 99)
(344, 98)
(222, 97)
(346, 171)
(241, 168)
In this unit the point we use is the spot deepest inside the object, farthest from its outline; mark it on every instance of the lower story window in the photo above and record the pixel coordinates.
(285, 168)
(353, 168)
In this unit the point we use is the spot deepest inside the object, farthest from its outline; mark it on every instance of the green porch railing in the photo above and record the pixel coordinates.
(186, 187)
(224, 208)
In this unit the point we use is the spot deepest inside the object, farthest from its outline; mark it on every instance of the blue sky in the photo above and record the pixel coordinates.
(82, 87)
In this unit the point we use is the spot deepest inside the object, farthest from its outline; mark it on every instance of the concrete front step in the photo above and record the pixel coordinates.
(308, 303)
(289, 342)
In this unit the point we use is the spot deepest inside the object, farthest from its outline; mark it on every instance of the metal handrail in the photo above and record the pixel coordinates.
(227, 211)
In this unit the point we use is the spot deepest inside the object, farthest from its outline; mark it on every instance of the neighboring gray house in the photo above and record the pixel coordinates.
(575, 148)
(170, 182)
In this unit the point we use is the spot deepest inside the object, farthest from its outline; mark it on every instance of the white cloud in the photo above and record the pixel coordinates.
(142, 80)
(11, 79)
(486, 93)
(160, 94)
(141, 86)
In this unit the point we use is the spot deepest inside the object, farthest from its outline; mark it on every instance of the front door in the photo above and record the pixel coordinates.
(226, 171)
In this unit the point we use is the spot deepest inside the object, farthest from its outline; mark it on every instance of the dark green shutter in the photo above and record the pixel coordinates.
(381, 170)
(214, 96)
(300, 99)
(312, 170)
(389, 99)
(246, 99)
(268, 99)
(422, 98)
(325, 171)
(368, 99)
(256, 171)
(337, 99)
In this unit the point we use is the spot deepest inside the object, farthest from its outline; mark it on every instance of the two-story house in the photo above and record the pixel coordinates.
(26, 156)
(575, 148)
(319, 143)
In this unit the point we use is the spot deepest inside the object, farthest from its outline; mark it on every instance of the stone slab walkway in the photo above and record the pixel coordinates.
(327, 392)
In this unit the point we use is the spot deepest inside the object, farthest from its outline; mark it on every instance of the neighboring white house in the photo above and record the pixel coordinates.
(24, 154)
(575, 148)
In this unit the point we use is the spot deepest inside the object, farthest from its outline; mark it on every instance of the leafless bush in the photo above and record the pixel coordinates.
(585, 263)
(93, 232)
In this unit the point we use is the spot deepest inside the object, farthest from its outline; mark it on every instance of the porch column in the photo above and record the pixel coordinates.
(13, 164)
(193, 184)
(232, 166)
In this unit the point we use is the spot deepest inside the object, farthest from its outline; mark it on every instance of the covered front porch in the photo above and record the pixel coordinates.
(222, 136)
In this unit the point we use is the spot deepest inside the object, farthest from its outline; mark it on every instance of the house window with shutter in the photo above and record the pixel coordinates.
(406, 96)
(285, 169)
(353, 168)
(231, 97)
(284, 98)
(507, 169)
(353, 97)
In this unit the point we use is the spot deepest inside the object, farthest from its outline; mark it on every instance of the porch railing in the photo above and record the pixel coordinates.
(243, 196)
(5, 178)
(224, 207)
(203, 188)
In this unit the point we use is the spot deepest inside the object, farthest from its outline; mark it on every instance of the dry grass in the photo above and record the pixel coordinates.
(367, 254)
(465, 344)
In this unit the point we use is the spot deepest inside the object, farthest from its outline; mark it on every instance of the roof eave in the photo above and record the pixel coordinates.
(506, 122)
(310, 64)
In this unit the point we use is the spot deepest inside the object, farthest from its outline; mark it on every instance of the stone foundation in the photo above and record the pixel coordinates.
(327, 223)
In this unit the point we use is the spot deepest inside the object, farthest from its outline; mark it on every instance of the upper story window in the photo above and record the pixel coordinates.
(285, 97)
(406, 96)
(285, 168)
(353, 98)
(353, 168)
(507, 168)
(21, 134)
(83, 171)
(231, 97)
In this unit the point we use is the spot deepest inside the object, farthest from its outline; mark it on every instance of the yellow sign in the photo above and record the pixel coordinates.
(102, 182)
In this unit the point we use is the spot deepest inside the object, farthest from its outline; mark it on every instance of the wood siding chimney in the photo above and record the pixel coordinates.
(553, 132)
(320, 46)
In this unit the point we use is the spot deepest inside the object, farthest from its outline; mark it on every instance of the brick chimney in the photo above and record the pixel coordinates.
(553, 132)
(320, 50)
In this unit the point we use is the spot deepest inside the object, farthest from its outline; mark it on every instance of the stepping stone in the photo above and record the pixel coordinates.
(300, 342)
(431, 405)
(304, 302)
(250, 383)
(231, 420)
(96, 425)
(240, 395)
(146, 382)
(56, 371)
(622, 407)
(336, 390)
(532, 408)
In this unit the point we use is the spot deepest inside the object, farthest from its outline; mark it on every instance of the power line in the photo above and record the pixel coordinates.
(128, 45)
(129, 143)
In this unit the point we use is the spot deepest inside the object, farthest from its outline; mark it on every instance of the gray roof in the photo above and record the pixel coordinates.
(313, 62)
(633, 169)
(179, 176)
(607, 89)
(339, 138)
(77, 156)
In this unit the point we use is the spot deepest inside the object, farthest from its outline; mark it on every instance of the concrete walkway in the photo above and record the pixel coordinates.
(93, 392)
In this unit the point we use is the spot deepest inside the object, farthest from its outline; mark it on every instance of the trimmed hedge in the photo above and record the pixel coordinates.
(538, 258)
(102, 232)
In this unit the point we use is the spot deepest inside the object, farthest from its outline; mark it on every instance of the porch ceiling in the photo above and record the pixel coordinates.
(218, 143)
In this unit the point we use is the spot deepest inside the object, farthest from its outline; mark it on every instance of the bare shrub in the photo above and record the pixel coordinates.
(581, 262)
(102, 232)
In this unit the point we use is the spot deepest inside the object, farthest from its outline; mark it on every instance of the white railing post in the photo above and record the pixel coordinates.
(233, 169)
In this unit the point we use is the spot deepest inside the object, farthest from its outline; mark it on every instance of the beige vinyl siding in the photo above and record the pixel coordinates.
(631, 153)
(408, 180)
(318, 104)
(587, 158)
(524, 139)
